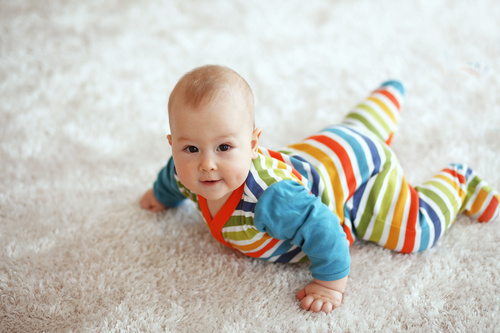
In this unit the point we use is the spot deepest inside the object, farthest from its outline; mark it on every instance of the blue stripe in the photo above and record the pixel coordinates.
(375, 155)
(281, 252)
(289, 255)
(356, 198)
(396, 84)
(468, 173)
(303, 170)
(356, 147)
(425, 236)
(434, 218)
(253, 186)
(246, 206)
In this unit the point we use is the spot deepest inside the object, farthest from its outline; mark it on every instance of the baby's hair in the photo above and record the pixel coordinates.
(210, 82)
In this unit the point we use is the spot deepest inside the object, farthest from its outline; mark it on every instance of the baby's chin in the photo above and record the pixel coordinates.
(213, 190)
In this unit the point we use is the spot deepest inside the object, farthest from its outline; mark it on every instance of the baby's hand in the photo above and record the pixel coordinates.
(149, 202)
(322, 296)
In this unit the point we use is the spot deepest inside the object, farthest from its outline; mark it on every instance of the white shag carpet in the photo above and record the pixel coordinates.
(83, 91)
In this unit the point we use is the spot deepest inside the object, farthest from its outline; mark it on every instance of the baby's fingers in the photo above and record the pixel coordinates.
(327, 307)
(306, 302)
(314, 305)
(301, 294)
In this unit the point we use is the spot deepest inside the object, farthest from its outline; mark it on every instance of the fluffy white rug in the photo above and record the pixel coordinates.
(83, 90)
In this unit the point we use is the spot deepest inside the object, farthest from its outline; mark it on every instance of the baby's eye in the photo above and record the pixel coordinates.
(224, 147)
(191, 149)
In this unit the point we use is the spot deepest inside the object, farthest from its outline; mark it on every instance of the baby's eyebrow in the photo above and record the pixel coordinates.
(226, 137)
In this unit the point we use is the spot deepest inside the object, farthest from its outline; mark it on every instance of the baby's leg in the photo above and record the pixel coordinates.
(379, 113)
(397, 216)
(481, 201)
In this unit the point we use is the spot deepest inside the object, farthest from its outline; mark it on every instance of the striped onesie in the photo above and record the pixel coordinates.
(311, 200)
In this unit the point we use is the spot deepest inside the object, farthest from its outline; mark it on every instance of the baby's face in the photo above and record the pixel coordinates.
(212, 146)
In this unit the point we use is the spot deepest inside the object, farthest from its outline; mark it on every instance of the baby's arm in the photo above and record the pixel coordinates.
(149, 202)
(323, 295)
(287, 210)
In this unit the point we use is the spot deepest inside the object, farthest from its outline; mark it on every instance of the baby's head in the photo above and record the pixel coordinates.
(213, 139)
(210, 83)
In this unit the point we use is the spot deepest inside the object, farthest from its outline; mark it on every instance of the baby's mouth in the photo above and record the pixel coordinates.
(210, 182)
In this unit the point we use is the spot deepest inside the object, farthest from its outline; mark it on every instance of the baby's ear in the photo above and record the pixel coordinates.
(255, 142)
(169, 138)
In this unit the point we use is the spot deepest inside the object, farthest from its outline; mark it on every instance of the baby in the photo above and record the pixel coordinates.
(311, 200)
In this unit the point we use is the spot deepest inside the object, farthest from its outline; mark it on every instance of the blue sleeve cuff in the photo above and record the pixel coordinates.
(165, 187)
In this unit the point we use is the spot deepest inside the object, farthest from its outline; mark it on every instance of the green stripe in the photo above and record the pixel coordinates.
(184, 190)
(378, 228)
(471, 188)
(438, 201)
(370, 204)
(304, 259)
(282, 174)
(365, 122)
(236, 220)
(325, 198)
(248, 234)
(375, 115)
(264, 174)
(451, 199)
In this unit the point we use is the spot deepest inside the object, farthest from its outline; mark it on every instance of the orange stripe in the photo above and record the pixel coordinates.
(461, 192)
(392, 240)
(390, 96)
(478, 203)
(266, 248)
(332, 173)
(383, 107)
(389, 140)
(254, 245)
(409, 241)
(279, 157)
(344, 158)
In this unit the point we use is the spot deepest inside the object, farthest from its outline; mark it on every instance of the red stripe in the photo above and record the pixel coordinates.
(390, 96)
(490, 211)
(266, 248)
(276, 155)
(455, 174)
(343, 157)
(348, 234)
(409, 242)
(279, 157)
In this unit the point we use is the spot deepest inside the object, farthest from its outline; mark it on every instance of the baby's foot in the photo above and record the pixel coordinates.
(481, 202)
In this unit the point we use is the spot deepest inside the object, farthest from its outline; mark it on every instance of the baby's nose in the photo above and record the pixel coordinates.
(207, 163)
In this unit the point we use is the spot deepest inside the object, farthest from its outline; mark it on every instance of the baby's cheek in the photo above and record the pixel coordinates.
(186, 178)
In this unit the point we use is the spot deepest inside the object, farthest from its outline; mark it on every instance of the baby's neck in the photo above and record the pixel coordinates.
(214, 206)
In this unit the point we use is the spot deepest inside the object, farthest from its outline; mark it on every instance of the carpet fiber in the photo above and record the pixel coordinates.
(83, 91)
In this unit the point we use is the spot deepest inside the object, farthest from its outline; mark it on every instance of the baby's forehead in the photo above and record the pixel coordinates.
(228, 94)
(212, 85)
